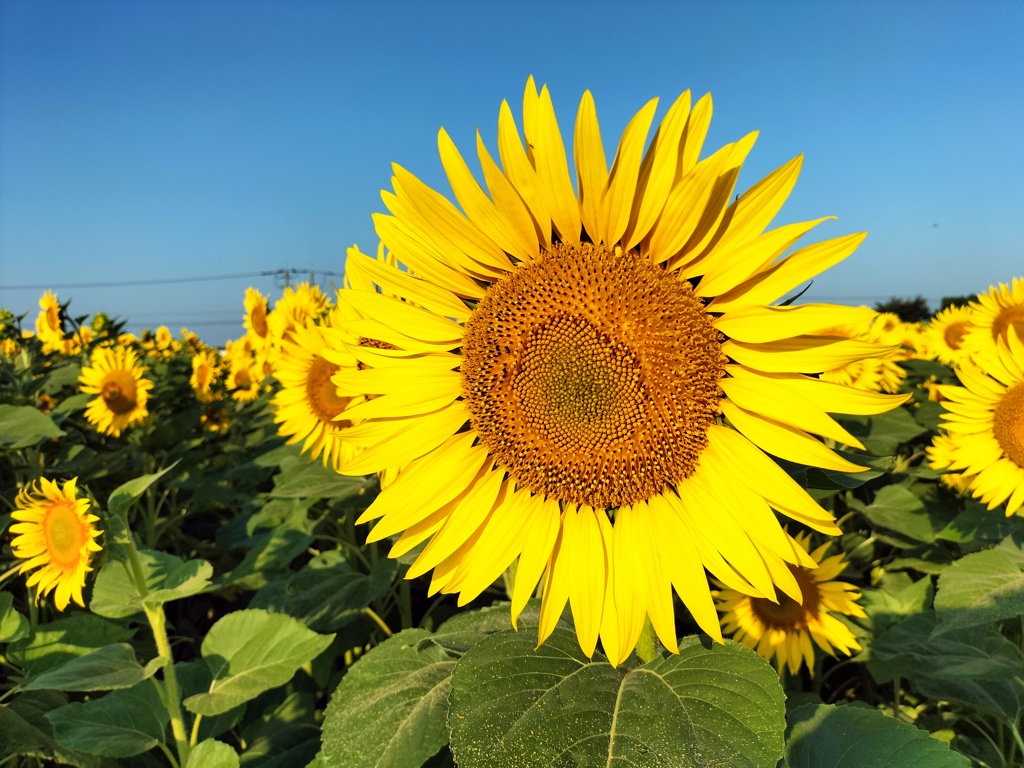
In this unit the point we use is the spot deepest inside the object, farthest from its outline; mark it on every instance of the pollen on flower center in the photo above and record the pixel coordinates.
(65, 534)
(119, 392)
(955, 333)
(323, 395)
(592, 377)
(1008, 424)
(788, 614)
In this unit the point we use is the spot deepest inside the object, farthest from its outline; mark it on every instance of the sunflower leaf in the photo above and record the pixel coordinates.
(212, 754)
(126, 494)
(830, 736)
(167, 577)
(24, 425)
(710, 705)
(13, 626)
(107, 668)
(249, 652)
(980, 588)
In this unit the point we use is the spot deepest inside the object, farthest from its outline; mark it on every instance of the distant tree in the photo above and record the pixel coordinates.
(909, 310)
(956, 301)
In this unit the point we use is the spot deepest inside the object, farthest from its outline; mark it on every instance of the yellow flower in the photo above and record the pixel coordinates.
(874, 374)
(116, 377)
(985, 423)
(296, 305)
(591, 384)
(308, 404)
(995, 313)
(49, 323)
(56, 535)
(946, 333)
(244, 380)
(781, 631)
(205, 373)
(255, 319)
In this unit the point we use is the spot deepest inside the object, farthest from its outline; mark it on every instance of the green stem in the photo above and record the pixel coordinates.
(8, 573)
(194, 738)
(170, 755)
(647, 645)
(1017, 738)
(378, 621)
(157, 621)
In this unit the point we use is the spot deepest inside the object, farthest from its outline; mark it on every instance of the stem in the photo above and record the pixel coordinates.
(157, 622)
(166, 751)
(896, 697)
(8, 573)
(378, 621)
(1017, 738)
(647, 645)
(194, 738)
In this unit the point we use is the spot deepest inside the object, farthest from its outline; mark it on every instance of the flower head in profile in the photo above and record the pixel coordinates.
(984, 422)
(786, 630)
(55, 537)
(590, 379)
(116, 378)
(255, 320)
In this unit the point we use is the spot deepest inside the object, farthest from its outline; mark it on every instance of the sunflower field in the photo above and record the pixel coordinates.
(570, 471)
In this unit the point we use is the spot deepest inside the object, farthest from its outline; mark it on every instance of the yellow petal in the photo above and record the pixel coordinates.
(766, 323)
(591, 167)
(585, 532)
(395, 282)
(541, 533)
(617, 201)
(521, 173)
(552, 168)
(521, 225)
(803, 354)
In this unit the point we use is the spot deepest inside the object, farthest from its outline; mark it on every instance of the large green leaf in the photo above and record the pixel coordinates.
(827, 736)
(512, 705)
(13, 626)
(167, 578)
(249, 652)
(312, 479)
(978, 524)
(60, 641)
(120, 724)
(288, 736)
(981, 588)
(24, 730)
(212, 754)
(390, 708)
(975, 665)
(897, 508)
(23, 425)
(128, 493)
(887, 431)
(105, 669)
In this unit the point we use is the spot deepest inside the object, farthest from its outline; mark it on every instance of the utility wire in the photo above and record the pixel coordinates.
(162, 281)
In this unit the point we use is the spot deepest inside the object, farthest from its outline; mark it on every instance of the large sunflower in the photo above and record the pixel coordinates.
(782, 630)
(591, 382)
(985, 423)
(116, 377)
(56, 535)
(995, 314)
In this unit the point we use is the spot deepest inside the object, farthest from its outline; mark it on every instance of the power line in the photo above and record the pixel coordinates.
(162, 281)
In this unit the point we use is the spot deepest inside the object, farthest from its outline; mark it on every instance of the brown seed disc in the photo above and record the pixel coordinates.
(592, 377)
(788, 614)
(1008, 424)
(119, 392)
(955, 333)
(322, 395)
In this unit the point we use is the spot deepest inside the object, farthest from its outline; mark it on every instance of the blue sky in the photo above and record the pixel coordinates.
(157, 140)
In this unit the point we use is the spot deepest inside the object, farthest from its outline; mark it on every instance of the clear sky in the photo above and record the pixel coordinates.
(164, 140)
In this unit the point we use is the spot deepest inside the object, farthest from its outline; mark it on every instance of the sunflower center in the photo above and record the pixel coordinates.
(954, 334)
(788, 614)
(258, 318)
(1009, 317)
(322, 394)
(64, 533)
(592, 377)
(1008, 424)
(119, 392)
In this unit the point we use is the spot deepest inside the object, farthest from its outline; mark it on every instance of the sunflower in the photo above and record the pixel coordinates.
(946, 333)
(244, 379)
(985, 423)
(875, 374)
(782, 630)
(941, 456)
(205, 373)
(56, 535)
(255, 319)
(591, 383)
(116, 377)
(995, 313)
(50, 323)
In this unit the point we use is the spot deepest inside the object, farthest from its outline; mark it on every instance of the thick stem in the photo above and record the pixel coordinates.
(157, 621)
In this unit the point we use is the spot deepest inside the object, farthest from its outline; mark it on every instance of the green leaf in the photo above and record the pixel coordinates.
(251, 651)
(313, 480)
(390, 707)
(62, 640)
(212, 754)
(120, 724)
(978, 524)
(976, 666)
(193, 678)
(23, 425)
(167, 578)
(897, 508)
(24, 730)
(888, 431)
(830, 736)
(125, 495)
(71, 404)
(980, 588)
(112, 666)
(13, 626)
(286, 737)
(513, 705)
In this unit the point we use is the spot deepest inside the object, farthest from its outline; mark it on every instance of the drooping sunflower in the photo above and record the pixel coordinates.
(947, 330)
(985, 423)
(116, 377)
(995, 314)
(308, 404)
(56, 535)
(782, 631)
(592, 382)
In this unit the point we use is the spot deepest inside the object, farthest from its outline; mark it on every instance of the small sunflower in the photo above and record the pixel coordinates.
(206, 371)
(592, 381)
(115, 375)
(308, 404)
(50, 323)
(985, 424)
(56, 535)
(946, 333)
(874, 374)
(995, 313)
(244, 380)
(256, 314)
(782, 630)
